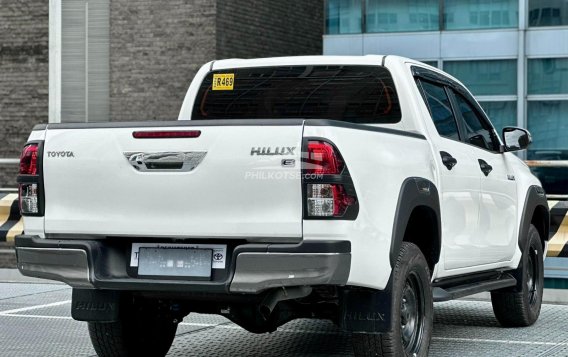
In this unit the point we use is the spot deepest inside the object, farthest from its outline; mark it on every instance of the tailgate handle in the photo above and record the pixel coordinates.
(165, 161)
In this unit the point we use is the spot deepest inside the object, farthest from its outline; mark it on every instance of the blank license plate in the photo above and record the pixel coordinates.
(195, 263)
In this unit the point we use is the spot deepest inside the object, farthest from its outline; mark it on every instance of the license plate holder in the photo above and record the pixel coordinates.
(175, 262)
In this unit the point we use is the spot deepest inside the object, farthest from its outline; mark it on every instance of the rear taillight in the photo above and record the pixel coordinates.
(328, 189)
(327, 200)
(28, 160)
(29, 181)
(29, 198)
(322, 159)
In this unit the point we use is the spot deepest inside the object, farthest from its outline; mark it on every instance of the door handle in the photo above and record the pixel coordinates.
(165, 161)
(485, 167)
(448, 160)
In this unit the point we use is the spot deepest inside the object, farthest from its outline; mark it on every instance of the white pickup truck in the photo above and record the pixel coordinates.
(354, 189)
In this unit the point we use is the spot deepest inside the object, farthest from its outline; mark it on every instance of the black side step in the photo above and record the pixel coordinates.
(450, 290)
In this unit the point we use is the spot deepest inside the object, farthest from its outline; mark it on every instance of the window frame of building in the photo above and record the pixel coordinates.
(530, 17)
(530, 125)
(511, 15)
(561, 91)
(339, 33)
(484, 61)
(400, 24)
(543, 97)
(514, 19)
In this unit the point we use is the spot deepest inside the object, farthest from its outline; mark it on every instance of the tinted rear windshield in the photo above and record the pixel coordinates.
(358, 94)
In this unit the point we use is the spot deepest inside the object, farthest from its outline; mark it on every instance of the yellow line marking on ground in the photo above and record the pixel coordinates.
(556, 243)
(17, 229)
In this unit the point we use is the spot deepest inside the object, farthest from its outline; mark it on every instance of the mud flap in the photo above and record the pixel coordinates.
(95, 305)
(366, 310)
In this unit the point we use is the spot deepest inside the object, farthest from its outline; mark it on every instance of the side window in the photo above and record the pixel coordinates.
(477, 131)
(440, 110)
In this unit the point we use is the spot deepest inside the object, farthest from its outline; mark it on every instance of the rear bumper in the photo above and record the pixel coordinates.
(251, 268)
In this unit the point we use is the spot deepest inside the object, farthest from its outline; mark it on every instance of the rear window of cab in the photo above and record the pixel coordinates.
(357, 94)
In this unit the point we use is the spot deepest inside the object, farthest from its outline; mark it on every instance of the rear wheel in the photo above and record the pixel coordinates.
(133, 335)
(412, 311)
(521, 307)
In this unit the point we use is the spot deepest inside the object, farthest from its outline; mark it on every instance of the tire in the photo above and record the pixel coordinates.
(412, 314)
(133, 335)
(521, 307)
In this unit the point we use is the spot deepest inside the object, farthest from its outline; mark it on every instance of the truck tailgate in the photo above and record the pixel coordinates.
(231, 181)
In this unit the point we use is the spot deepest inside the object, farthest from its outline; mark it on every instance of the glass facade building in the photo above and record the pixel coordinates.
(512, 54)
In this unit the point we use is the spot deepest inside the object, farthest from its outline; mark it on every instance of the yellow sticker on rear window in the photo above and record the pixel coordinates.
(223, 81)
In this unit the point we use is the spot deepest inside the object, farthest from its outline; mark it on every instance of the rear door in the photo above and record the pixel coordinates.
(233, 180)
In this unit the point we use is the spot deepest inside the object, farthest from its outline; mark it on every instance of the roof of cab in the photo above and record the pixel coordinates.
(298, 61)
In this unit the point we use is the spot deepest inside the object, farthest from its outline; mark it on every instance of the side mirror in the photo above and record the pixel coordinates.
(516, 139)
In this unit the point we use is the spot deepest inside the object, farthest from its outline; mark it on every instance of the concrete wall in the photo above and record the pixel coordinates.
(155, 49)
(266, 28)
(23, 77)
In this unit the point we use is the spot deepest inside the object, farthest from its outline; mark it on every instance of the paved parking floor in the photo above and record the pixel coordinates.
(35, 321)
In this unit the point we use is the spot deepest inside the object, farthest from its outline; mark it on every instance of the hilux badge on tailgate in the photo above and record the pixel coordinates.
(268, 151)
